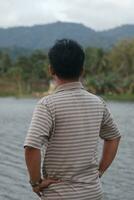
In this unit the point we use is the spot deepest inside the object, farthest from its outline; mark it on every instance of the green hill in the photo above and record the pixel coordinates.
(43, 36)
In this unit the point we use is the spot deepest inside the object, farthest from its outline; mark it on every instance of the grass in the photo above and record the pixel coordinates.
(119, 97)
(113, 97)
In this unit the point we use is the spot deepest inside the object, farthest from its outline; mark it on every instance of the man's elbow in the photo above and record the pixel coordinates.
(117, 139)
(29, 149)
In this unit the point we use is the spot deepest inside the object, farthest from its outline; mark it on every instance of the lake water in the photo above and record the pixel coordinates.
(15, 116)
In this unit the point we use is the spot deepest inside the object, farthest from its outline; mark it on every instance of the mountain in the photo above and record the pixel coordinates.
(114, 35)
(43, 36)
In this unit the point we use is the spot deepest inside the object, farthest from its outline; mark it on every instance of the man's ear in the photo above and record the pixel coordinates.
(82, 71)
(51, 70)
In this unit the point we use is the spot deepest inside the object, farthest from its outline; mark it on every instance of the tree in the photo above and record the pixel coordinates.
(5, 63)
(39, 64)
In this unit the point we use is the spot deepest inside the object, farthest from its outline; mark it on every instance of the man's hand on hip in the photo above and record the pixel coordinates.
(44, 184)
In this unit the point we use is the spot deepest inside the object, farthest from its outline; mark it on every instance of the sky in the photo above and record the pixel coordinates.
(96, 14)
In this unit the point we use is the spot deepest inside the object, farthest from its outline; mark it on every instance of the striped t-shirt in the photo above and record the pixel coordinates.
(69, 123)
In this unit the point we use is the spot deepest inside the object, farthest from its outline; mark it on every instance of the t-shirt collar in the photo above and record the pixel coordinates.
(69, 86)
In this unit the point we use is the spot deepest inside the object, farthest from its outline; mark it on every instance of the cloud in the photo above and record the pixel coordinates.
(97, 14)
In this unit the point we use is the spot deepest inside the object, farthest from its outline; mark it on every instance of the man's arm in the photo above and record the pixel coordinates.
(33, 162)
(109, 152)
(38, 134)
(110, 133)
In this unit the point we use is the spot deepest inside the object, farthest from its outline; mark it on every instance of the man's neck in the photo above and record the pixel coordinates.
(63, 81)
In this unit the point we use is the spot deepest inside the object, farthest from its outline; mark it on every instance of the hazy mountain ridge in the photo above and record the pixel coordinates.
(43, 36)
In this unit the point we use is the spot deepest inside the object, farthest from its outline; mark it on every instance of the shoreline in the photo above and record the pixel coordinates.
(117, 97)
(106, 97)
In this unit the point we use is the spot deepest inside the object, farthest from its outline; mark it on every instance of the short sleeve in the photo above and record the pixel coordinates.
(40, 127)
(109, 129)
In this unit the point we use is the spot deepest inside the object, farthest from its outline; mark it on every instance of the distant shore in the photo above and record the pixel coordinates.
(107, 97)
(119, 97)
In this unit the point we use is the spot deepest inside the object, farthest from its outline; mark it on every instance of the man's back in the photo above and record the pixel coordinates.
(71, 155)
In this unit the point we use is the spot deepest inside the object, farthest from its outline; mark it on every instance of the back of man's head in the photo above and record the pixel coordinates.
(66, 59)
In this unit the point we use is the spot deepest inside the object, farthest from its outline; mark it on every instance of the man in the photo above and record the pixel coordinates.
(68, 123)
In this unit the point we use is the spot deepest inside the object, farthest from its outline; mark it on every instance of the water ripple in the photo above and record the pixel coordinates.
(15, 115)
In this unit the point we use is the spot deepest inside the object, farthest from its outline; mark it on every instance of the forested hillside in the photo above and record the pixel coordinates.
(106, 71)
(43, 36)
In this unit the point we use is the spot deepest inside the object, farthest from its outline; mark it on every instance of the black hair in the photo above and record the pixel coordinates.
(66, 58)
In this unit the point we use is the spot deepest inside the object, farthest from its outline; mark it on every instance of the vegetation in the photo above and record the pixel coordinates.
(109, 73)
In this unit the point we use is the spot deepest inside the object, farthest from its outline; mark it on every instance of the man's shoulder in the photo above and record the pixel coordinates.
(94, 97)
(50, 99)
(46, 99)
